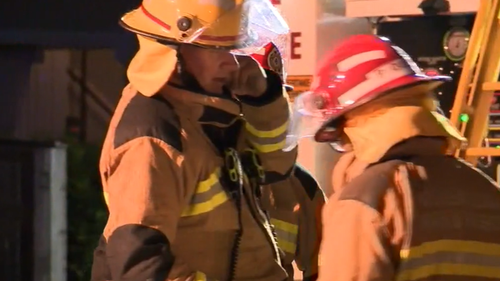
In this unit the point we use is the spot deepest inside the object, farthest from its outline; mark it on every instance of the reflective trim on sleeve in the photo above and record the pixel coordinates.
(286, 234)
(267, 141)
(451, 258)
(209, 195)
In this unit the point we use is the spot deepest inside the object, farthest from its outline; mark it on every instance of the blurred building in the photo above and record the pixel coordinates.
(61, 73)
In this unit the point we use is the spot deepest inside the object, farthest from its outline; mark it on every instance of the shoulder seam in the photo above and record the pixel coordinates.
(148, 117)
(159, 141)
(361, 191)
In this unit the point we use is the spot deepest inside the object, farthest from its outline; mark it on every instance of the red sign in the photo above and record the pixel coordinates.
(276, 2)
(295, 45)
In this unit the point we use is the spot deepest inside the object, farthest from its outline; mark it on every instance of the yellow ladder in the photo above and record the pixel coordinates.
(478, 82)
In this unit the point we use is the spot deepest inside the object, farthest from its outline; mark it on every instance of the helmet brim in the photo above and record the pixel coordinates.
(263, 26)
(135, 23)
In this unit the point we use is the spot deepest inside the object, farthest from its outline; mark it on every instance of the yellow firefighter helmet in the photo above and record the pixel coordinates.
(246, 25)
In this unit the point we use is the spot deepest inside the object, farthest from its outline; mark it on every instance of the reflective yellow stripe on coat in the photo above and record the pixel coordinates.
(452, 258)
(267, 141)
(200, 276)
(209, 194)
(286, 234)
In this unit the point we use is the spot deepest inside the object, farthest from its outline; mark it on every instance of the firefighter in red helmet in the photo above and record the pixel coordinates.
(404, 208)
(306, 200)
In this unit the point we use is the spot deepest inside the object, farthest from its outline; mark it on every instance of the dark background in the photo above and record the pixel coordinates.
(21, 20)
(422, 37)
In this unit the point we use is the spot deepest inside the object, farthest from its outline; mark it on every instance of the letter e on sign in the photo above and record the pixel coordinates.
(295, 45)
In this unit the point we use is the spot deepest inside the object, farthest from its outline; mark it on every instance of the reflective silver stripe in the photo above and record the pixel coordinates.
(209, 194)
(267, 141)
(450, 258)
(286, 233)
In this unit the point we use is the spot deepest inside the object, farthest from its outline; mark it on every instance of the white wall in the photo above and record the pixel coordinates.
(322, 26)
(333, 28)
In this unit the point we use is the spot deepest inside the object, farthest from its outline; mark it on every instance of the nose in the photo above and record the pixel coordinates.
(228, 62)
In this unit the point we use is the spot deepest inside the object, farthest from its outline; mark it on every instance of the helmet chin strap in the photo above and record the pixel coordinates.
(189, 82)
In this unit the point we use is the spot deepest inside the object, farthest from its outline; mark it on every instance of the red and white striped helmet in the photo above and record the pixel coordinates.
(271, 58)
(360, 69)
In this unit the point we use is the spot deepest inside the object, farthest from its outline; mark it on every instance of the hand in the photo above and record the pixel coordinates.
(250, 79)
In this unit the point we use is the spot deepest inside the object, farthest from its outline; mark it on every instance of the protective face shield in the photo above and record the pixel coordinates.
(306, 118)
(242, 26)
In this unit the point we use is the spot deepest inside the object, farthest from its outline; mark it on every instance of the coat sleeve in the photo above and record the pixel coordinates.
(294, 206)
(311, 200)
(356, 244)
(145, 194)
(267, 119)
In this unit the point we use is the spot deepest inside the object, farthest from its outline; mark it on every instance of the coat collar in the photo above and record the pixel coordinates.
(206, 109)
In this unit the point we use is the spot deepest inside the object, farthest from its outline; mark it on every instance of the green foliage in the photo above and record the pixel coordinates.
(87, 211)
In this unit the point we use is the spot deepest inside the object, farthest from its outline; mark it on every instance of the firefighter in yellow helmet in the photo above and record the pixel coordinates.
(195, 135)
(302, 247)
(404, 208)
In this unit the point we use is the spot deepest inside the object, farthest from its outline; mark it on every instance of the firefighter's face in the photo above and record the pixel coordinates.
(213, 69)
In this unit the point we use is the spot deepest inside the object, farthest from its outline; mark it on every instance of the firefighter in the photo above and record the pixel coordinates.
(299, 243)
(194, 135)
(404, 208)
